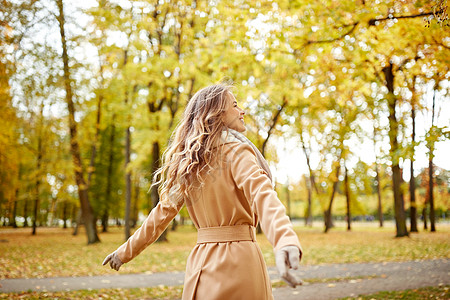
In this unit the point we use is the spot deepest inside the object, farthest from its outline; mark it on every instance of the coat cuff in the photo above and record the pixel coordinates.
(288, 241)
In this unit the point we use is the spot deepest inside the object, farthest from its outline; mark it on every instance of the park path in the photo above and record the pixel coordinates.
(341, 280)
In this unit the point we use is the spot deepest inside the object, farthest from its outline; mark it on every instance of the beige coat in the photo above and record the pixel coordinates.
(237, 192)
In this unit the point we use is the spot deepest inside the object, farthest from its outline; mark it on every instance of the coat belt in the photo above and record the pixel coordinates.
(225, 234)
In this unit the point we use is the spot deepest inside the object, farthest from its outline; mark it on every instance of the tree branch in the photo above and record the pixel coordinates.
(440, 43)
(274, 122)
(335, 39)
(373, 22)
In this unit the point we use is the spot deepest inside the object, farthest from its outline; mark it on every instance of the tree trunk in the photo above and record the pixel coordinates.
(127, 161)
(308, 217)
(347, 196)
(430, 194)
(311, 184)
(14, 212)
(87, 212)
(91, 168)
(105, 218)
(12, 220)
(424, 215)
(412, 181)
(430, 172)
(154, 189)
(400, 215)
(78, 221)
(174, 225)
(135, 211)
(328, 213)
(128, 184)
(25, 213)
(16, 198)
(38, 182)
(109, 175)
(402, 194)
(65, 214)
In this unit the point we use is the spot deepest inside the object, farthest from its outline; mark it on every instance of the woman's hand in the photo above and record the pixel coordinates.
(114, 261)
(287, 258)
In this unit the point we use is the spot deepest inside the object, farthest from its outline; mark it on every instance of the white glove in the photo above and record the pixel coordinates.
(287, 258)
(114, 261)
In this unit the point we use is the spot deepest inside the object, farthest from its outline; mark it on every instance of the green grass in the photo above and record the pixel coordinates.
(165, 292)
(440, 292)
(279, 283)
(367, 244)
(55, 252)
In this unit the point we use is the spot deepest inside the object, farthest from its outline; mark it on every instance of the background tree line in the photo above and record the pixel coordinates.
(90, 96)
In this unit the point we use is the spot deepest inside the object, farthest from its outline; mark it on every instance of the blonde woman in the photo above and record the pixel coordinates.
(226, 185)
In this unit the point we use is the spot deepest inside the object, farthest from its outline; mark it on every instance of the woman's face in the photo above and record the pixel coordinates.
(233, 117)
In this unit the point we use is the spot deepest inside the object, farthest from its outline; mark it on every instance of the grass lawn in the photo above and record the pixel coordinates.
(55, 252)
(441, 292)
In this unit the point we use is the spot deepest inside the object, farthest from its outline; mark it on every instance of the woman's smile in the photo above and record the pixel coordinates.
(233, 113)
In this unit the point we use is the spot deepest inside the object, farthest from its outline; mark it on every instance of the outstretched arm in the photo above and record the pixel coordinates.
(153, 226)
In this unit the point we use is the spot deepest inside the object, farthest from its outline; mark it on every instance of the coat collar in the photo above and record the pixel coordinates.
(232, 136)
(228, 137)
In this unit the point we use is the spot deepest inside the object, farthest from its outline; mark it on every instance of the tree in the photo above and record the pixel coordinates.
(9, 160)
(400, 216)
(86, 208)
(412, 181)
(315, 78)
(347, 196)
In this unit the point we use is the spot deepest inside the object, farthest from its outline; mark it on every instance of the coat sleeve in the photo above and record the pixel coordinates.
(153, 226)
(257, 188)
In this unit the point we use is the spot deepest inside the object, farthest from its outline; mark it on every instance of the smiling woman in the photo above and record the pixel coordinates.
(227, 188)
(233, 117)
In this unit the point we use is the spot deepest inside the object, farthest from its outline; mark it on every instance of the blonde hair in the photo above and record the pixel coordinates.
(191, 149)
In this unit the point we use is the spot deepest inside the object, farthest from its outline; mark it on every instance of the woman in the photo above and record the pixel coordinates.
(227, 188)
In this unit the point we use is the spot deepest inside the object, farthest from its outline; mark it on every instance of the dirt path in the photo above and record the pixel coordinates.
(369, 278)
(333, 281)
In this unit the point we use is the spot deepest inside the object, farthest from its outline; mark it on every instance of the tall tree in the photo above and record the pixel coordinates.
(39, 153)
(335, 180)
(347, 197)
(105, 215)
(9, 160)
(399, 206)
(311, 182)
(430, 168)
(86, 208)
(412, 180)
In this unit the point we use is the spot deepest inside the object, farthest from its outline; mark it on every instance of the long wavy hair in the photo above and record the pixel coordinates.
(191, 149)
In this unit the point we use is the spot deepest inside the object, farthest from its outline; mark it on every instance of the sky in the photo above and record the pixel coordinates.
(292, 161)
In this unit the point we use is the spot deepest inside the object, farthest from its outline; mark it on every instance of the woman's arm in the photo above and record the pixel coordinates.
(153, 226)
(257, 188)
